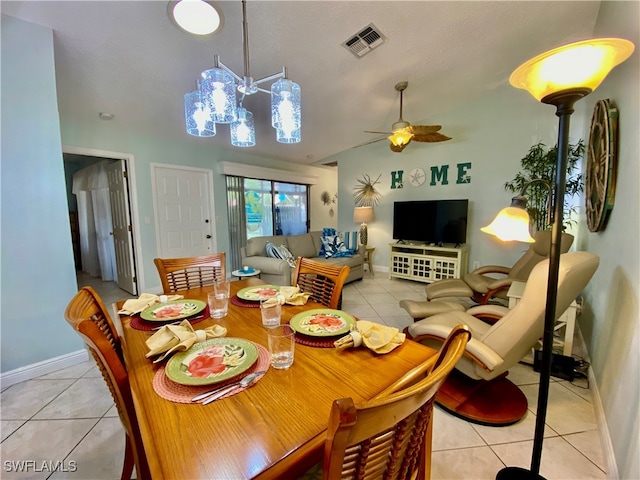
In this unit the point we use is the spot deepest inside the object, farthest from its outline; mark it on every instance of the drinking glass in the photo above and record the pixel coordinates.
(218, 304)
(271, 312)
(281, 346)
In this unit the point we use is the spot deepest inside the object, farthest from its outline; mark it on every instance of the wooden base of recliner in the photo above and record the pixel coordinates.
(497, 402)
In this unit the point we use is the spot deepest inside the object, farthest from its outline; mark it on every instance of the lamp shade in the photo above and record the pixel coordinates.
(198, 116)
(577, 65)
(286, 111)
(512, 223)
(400, 137)
(362, 214)
(218, 91)
(243, 133)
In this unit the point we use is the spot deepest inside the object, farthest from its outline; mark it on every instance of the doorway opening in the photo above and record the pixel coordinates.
(102, 220)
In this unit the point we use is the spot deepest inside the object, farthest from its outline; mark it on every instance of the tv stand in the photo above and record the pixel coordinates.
(428, 263)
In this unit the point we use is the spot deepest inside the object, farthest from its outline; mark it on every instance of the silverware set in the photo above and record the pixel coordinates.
(216, 393)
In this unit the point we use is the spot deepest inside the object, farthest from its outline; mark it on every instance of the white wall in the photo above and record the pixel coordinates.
(611, 323)
(38, 273)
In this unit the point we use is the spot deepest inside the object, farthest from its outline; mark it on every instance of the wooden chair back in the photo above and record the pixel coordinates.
(88, 316)
(322, 280)
(390, 436)
(178, 274)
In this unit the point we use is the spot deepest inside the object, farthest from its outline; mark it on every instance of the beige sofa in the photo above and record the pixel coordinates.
(278, 272)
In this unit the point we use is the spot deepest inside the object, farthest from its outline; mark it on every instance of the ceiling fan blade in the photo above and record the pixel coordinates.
(431, 137)
(424, 129)
(370, 141)
(380, 133)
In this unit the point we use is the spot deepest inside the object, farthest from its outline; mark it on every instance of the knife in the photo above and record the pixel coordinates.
(222, 393)
(227, 388)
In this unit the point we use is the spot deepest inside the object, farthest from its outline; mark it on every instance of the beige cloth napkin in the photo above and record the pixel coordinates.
(291, 296)
(376, 337)
(174, 338)
(137, 305)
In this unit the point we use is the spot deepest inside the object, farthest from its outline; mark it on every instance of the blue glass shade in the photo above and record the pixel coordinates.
(243, 133)
(286, 110)
(218, 91)
(198, 116)
(288, 136)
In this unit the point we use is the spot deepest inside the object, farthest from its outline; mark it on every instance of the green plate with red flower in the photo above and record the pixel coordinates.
(322, 322)
(212, 361)
(259, 292)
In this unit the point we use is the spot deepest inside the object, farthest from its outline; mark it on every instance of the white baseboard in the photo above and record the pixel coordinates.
(603, 430)
(608, 453)
(35, 370)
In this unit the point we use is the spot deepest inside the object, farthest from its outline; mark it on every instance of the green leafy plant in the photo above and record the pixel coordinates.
(540, 163)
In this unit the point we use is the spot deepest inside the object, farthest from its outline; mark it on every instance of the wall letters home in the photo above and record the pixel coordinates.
(440, 174)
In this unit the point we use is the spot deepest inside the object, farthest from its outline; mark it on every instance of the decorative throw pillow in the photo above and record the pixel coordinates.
(272, 251)
(326, 232)
(334, 247)
(350, 240)
(285, 254)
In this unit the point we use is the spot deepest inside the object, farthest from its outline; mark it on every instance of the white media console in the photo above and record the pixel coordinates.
(427, 263)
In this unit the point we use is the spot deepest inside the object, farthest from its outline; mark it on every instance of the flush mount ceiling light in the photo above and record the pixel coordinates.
(198, 17)
(219, 87)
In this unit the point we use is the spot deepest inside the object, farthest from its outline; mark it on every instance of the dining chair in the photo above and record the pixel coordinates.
(323, 281)
(178, 274)
(88, 316)
(390, 436)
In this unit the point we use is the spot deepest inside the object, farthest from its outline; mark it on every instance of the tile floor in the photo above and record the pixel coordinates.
(66, 424)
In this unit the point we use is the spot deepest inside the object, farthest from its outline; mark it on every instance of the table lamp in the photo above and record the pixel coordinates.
(363, 215)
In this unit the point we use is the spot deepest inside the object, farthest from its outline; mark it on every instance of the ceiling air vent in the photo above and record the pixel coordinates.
(364, 41)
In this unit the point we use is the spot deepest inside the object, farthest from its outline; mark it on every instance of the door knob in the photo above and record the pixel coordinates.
(208, 236)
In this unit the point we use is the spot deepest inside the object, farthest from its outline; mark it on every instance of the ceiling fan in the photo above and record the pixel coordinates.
(402, 132)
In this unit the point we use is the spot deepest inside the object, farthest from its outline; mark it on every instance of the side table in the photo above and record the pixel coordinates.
(567, 320)
(245, 273)
(369, 258)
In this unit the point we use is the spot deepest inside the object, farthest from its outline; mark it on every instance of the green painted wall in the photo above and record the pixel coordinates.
(38, 273)
(611, 320)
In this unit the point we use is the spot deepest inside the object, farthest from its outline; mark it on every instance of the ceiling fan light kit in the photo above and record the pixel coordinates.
(402, 132)
(218, 100)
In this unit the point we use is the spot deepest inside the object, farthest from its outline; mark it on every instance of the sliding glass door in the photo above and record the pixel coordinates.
(275, 208)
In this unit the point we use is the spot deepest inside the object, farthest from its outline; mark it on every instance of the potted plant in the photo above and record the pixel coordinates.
(540, 163)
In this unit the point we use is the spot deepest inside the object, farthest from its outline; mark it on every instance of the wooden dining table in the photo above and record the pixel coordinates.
(274, 429)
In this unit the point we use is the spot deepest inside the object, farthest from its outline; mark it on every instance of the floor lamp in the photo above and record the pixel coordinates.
(559, 77)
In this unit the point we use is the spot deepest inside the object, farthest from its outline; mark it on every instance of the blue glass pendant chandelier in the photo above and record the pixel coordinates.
(218, 87)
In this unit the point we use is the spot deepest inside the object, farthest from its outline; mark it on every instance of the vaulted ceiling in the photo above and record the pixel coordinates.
(128, 59)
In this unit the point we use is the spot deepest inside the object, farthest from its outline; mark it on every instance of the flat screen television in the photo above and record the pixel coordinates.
(431, 221)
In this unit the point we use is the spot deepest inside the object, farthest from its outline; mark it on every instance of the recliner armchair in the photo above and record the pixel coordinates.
(483, 394)
(482, 287)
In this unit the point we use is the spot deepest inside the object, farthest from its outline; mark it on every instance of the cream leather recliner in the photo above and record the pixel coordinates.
(481, 286)
(493, 349)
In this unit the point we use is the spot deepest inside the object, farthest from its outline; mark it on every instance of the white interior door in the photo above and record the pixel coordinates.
(122, 229)
(183, 199)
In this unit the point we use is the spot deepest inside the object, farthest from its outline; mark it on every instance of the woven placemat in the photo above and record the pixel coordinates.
(146, 326)
(174, 392)
(319, 342)
(244, 303)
